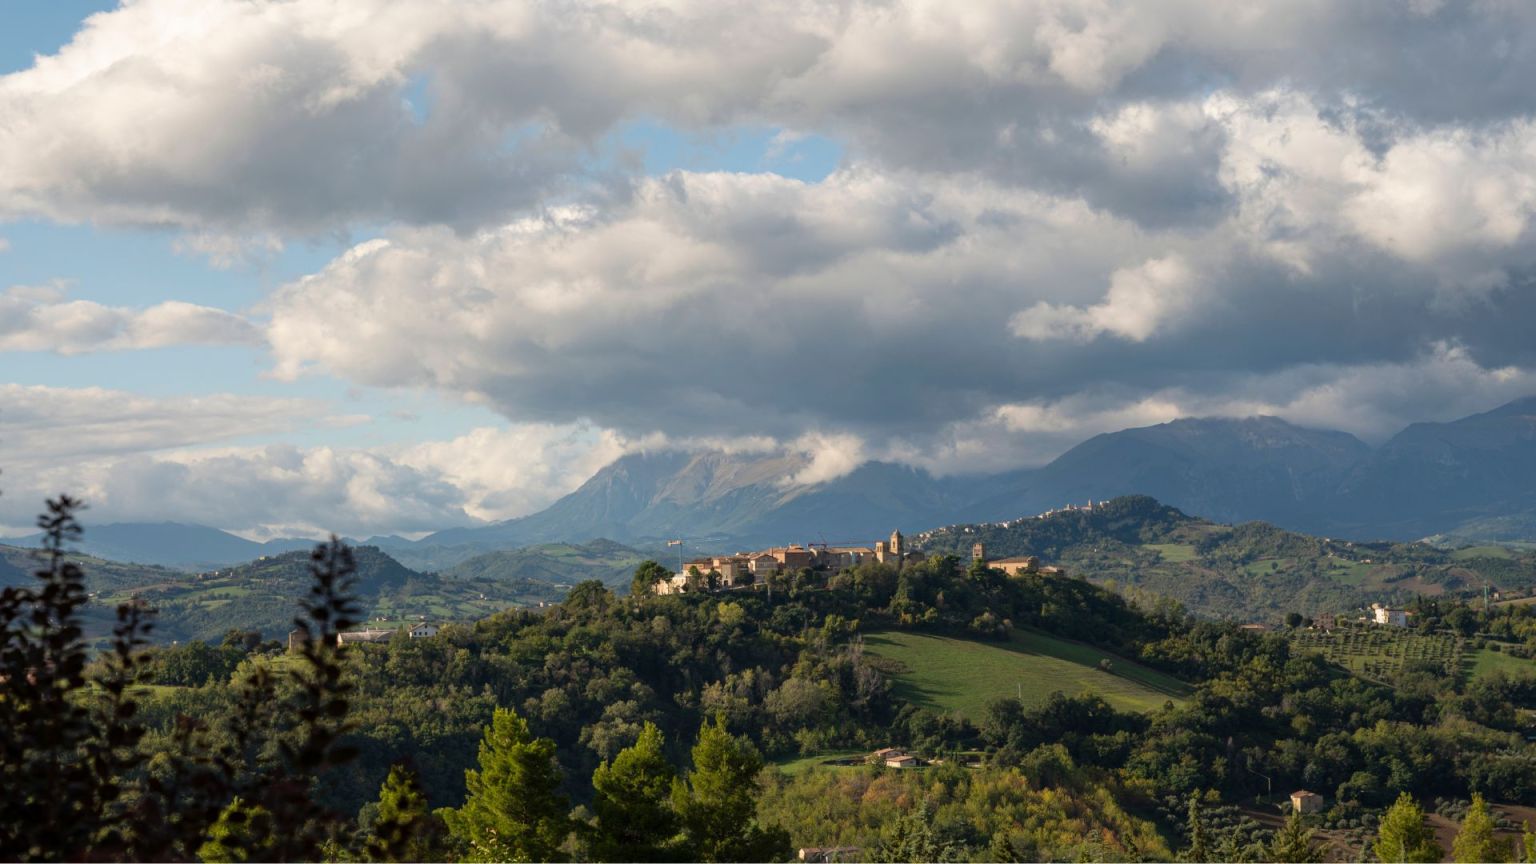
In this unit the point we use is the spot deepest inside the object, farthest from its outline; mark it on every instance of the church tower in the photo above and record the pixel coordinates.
(898, 551)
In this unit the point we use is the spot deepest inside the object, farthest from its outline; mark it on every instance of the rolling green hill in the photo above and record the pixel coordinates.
(948, 674)
(1248, 572)
(108, 582)
(261, 595)
(554, 564)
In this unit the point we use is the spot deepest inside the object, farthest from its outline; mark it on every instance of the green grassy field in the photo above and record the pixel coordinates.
(1268, 565)
(1471, 552)
(947, 674)
(1350, 572)
(1173, 553)
(1484, 662)
(801, 764)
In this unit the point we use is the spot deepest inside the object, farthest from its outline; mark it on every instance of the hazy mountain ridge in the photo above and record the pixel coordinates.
(173, 544)
(260, 595)
(1465, 481)
(1432, 478)
(1220, 468)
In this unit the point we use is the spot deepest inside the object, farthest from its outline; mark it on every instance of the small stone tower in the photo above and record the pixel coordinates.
(898, 550)
(978, 552)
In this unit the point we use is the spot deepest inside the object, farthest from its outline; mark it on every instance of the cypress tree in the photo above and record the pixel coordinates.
(1293, 843)
(1198, 846)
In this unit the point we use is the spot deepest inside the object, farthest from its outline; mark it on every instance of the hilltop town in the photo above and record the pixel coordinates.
(749, 569)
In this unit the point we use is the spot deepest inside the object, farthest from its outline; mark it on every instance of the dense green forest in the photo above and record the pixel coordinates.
(1250, 572)
(736, 725)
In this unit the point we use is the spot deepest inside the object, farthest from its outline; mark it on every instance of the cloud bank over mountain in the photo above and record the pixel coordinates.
(1050, 220)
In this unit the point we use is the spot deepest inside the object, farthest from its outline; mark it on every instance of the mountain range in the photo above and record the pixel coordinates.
(1469, 480)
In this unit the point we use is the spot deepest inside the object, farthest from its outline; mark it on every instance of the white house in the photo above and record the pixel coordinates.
(423, 630)
(677, 583)
(1391, 617)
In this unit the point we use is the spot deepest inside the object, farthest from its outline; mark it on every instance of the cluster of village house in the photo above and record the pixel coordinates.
(751, 568)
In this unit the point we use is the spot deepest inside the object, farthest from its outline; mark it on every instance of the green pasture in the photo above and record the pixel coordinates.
(948, 674)
(1173, 553)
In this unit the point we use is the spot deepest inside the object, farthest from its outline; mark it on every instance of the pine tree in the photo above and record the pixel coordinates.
(717, 801)
(512, 810)
(1293, 843)
(404, 829)
(635, 819)
(1475, 841)
(1528, 843)
(1403, 836)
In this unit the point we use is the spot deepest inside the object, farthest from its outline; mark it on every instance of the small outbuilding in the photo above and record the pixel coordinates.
(1303, 801)
(901, 762)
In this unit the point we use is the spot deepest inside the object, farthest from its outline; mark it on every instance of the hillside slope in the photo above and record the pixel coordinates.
(943, 673)
(1250, 572)
(262, 596)
(1435, 478)
(556, 565)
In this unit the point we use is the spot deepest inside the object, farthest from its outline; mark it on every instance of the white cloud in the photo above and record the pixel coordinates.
(135, 458)
(225, 116)
(58, 425)
(1309, 181)
(830, 457)
(40, 318)
(1141, 300)
(512, 471)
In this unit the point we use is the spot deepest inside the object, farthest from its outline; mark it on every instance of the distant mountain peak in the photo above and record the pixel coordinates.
(1524, 407)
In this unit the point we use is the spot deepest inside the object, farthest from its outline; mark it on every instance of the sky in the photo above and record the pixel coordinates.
(390, 266)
